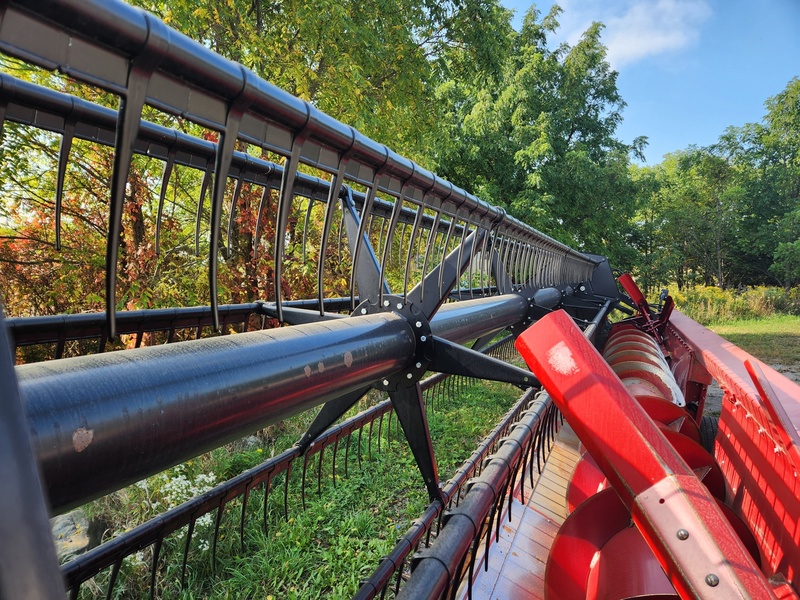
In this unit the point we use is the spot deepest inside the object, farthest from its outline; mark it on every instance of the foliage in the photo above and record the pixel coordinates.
(713, 305)
(542, 141)
(727, 214)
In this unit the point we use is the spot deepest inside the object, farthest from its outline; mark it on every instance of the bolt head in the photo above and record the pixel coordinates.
(386, 303)
(419, 364)
(363, 311)
(399, 306)
(409, 376)
(682, 534)
(418, 324)
(712, 580)
(422, 338)
(385, 382)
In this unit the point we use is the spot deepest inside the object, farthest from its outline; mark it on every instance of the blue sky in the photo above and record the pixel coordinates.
(688, 68)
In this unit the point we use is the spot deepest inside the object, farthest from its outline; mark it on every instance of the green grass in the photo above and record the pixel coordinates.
(321, 552)
(774, 339)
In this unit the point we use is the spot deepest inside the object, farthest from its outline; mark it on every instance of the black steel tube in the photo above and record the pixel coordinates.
(463, 321)
(104, 421)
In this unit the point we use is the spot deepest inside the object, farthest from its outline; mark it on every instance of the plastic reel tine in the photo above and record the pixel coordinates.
(63, 157)
(399, 577)
(492, 512)
(267, 485)
(340, 236)
(459, 575)
(360, 431)
(262, 205)
(319, 470)
(450, 230)
(538, 440)
(333, 194)
(522, 476)
(237, 192)
(286, 491)
(430, 248)
(290, 166)
(333, 466)
(200, 202)
(305, 225)
(162, 195)
(186, 547)
(410, 252)
(512, 480)
(217, 522)
(303, 478)
(154, 569)
(244, 513)
(112, 580)
(347, 453)
(472, 559)
(369, 440)
(380, 431)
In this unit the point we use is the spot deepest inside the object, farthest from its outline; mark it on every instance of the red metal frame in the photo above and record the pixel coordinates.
(653, 481)
(757, 443)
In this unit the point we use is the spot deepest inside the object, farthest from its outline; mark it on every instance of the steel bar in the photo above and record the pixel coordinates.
(467, 320)
(101, 422)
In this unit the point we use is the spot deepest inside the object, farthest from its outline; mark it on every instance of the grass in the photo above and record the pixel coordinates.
(321, 552)
(774, 339)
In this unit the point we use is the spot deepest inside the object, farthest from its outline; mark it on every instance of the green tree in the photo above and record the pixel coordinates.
(542, 143)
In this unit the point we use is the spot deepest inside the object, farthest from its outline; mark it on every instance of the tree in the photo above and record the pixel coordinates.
(542, 143)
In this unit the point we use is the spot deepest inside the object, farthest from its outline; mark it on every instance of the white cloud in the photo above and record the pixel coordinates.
(637, 29)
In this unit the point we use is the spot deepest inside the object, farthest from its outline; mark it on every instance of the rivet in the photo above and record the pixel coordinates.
(399, 306)
(682, 534)
(712, 580)
(422, 338)
(385, 382)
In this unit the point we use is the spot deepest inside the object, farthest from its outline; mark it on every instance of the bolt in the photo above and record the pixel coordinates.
(712, 580)
(385, 382)
(386, 303)
(409, 376)
(363, 311)
(399, 306)
(418, 324)
(682, 534)
(422, 338)
(419, 365)
(526, 380)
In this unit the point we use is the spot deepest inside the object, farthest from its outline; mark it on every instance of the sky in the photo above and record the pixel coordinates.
(688, 69)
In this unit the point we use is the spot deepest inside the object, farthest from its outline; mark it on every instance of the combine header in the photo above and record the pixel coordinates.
(662, 499)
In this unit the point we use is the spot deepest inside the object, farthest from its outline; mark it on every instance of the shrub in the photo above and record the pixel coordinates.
(713, 305)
